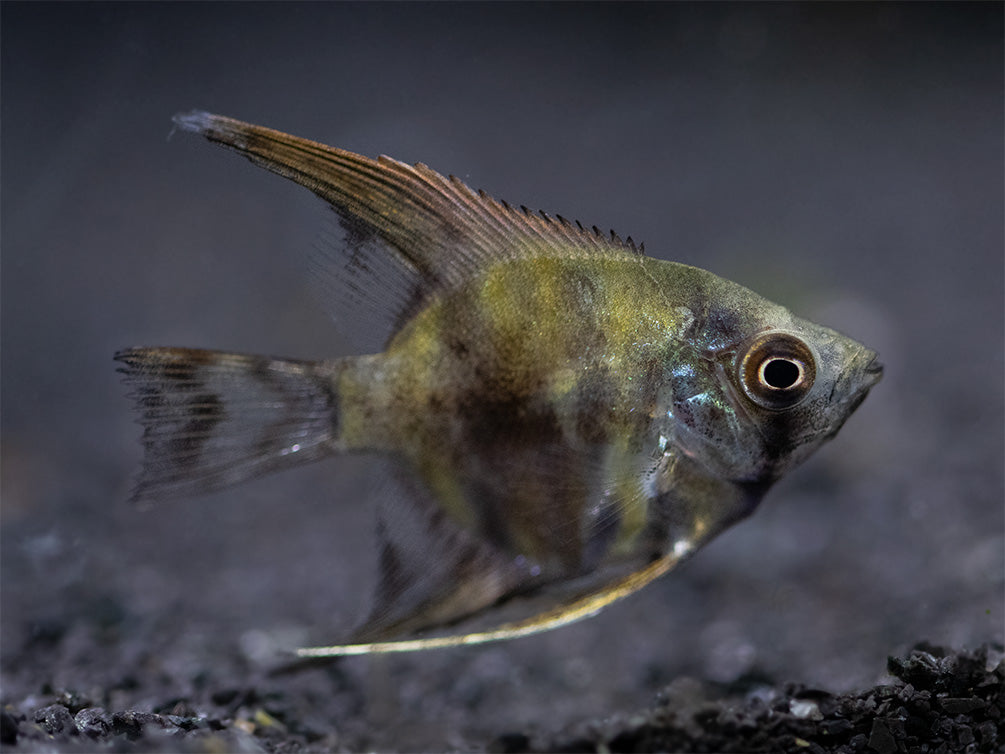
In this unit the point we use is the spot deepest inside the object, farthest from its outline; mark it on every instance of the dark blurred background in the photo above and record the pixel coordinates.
(845, 160)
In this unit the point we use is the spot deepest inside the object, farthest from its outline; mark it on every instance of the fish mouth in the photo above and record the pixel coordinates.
(855, 384)
(866, 376)
(872, 371)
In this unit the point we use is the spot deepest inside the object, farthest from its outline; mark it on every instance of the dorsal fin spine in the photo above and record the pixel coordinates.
(487, 231)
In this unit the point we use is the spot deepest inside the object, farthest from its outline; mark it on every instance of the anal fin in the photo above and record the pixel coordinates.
(561, 614)
(432, 572)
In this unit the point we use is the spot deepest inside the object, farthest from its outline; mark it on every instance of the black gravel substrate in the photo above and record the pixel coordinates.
(938, 700)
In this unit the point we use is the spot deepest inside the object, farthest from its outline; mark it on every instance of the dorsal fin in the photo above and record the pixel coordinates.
(440, 230)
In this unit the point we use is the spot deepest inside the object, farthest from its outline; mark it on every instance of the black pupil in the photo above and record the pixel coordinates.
(781, 373)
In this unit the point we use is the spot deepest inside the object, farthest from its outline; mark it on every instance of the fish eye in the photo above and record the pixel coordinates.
(776, 370)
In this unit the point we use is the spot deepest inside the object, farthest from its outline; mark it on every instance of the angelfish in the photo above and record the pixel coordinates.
(570, 418)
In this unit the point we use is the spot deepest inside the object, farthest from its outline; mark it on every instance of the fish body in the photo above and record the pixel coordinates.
(562, 409)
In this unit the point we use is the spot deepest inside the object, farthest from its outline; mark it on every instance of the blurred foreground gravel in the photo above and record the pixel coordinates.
(936, 701)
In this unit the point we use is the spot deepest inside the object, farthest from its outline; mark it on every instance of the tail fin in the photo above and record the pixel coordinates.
(211, 419)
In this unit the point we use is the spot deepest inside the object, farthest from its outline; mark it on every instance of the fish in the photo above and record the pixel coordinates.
(566, 418)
